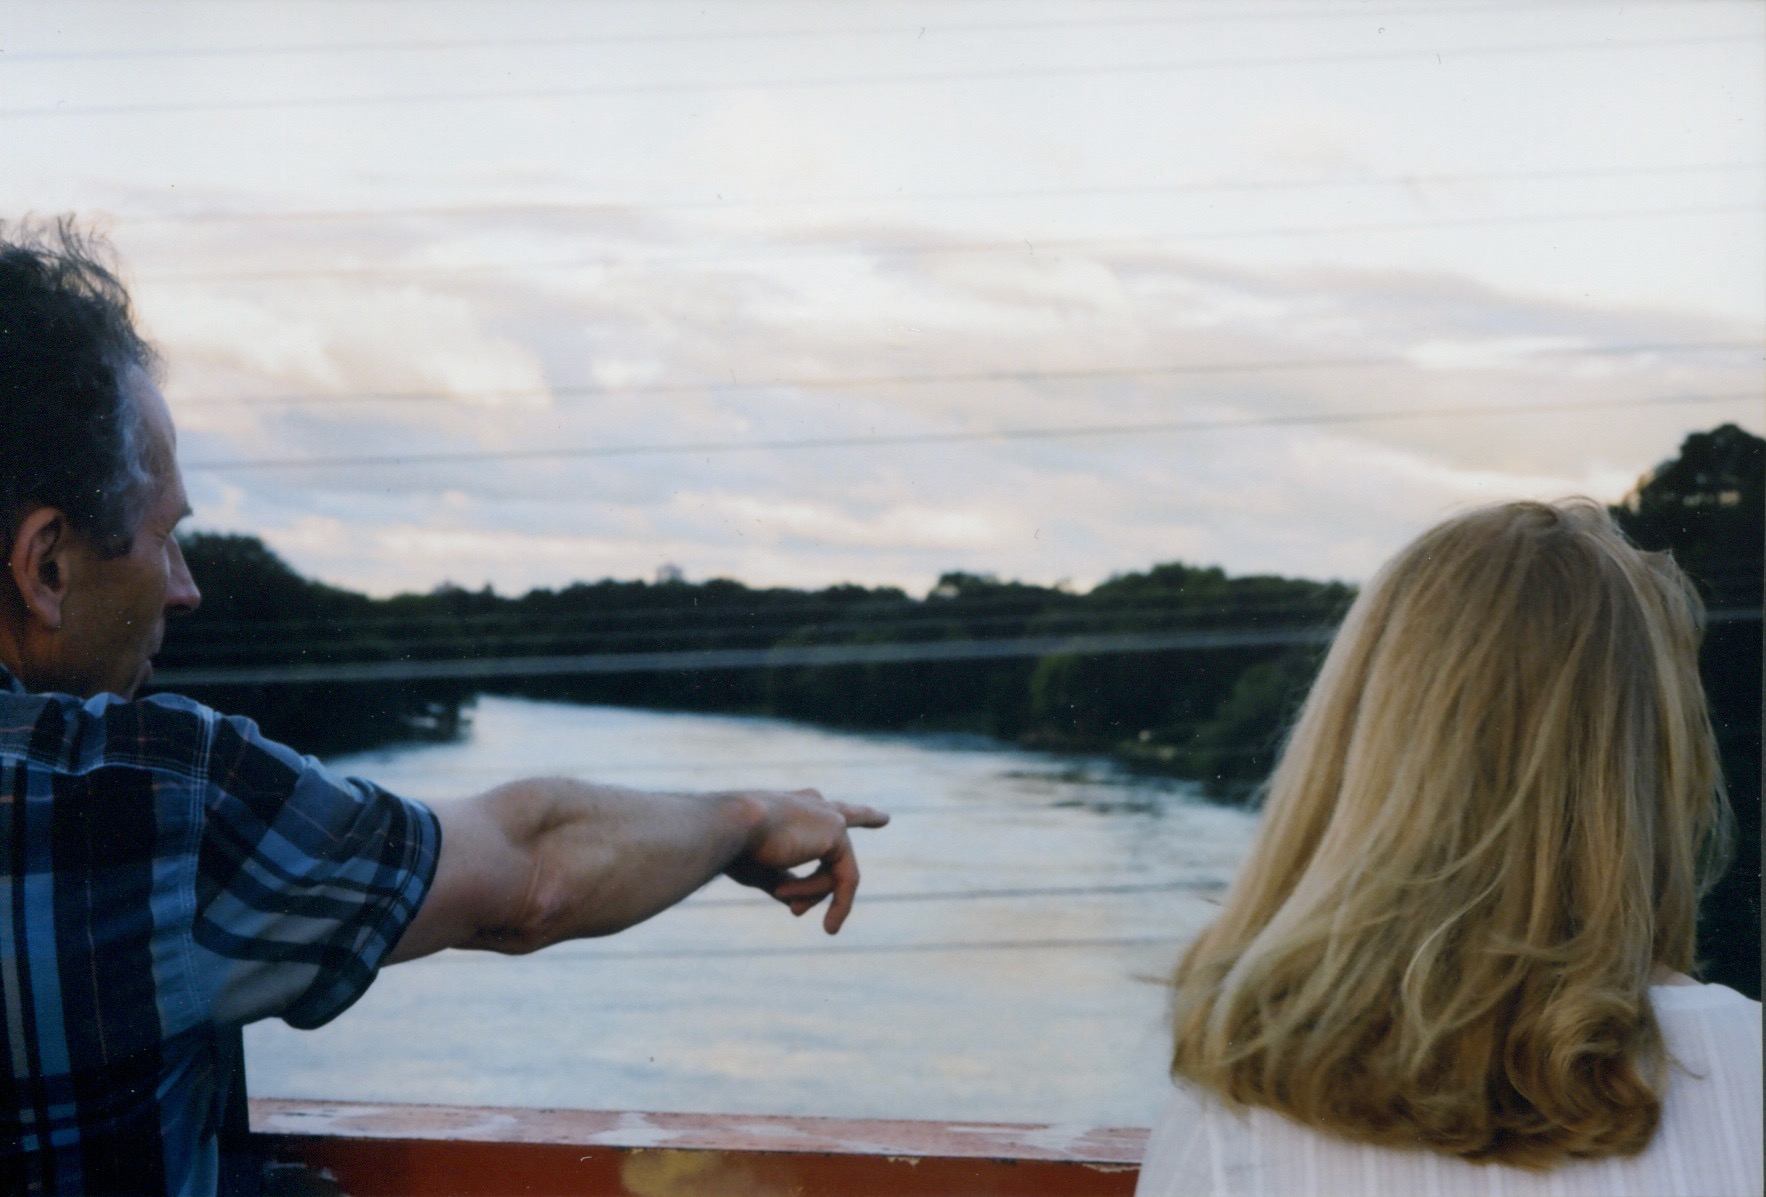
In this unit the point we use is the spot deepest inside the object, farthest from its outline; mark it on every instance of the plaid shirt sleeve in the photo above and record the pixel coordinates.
(298, 882)
(167, 874)
(304, 880)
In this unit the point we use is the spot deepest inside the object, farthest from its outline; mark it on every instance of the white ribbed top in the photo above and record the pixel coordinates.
(1709, 1143)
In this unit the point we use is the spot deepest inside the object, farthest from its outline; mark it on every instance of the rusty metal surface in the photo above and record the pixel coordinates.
(369, 1150)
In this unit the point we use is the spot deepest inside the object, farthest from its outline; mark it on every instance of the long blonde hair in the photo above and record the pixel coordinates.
(1494, 817)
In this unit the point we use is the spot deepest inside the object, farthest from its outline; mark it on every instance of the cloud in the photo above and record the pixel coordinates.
(675, 335)
(906, 526)
(331, 335)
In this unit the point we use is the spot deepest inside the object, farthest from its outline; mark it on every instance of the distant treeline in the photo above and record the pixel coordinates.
(1212, 713)
(1216, 715)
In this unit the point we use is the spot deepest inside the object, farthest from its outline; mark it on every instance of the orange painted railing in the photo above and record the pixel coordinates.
(412, 1151)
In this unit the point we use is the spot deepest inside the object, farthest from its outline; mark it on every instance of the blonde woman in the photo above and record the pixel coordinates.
(1455, 959)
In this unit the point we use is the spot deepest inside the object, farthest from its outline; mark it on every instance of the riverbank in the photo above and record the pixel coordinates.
(1175, 670)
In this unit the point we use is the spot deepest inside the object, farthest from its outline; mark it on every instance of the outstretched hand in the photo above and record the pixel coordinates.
(795, 828)
(547, 859)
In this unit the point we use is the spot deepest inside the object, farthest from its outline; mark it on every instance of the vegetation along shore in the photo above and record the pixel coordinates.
(1177, 668)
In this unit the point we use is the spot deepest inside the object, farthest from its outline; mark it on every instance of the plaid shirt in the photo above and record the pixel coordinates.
(166, 876)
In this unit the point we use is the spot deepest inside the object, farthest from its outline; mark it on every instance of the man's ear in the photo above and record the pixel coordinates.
(39, 564)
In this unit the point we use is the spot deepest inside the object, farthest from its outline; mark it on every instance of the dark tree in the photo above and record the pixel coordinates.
(1215, 714)
(1708, 507)
(256, 610)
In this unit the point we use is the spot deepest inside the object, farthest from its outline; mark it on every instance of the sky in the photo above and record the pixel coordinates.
(529, 292)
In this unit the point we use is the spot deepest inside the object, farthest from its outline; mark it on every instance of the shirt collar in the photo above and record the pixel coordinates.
(10, 684)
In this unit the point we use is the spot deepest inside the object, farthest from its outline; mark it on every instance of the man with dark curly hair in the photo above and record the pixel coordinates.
(167, 874)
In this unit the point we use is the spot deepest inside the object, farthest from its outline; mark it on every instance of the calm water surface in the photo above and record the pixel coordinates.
(956, 990)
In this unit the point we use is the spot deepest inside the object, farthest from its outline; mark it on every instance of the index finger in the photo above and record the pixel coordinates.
(842, 866)
(857, 814)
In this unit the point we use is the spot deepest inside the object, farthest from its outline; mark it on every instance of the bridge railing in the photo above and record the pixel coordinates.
(367, 1150)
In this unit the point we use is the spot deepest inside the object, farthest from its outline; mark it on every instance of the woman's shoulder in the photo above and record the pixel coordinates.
(1710, 1127)
(1180, 1149)
(1708, 1142)
(1697, 996)
(1689, 1014)
(1713, 1037)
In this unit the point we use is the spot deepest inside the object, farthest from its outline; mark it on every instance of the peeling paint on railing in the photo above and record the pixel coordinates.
(411, 1149)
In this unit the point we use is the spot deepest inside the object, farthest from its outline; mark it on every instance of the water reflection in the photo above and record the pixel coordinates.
(1001, 964)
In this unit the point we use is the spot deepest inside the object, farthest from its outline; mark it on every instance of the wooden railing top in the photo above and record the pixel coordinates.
(1059, 1142)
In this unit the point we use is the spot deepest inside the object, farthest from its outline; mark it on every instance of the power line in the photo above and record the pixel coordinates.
(777, 657)
(1179, 66)
(1250, 594)
(473, 456)
(722, 771)
(783, 656)
(967, 377)
(711, 634)
(879, 949)
(1123, 783)
(979, 895)
(545, 208)
(1126, 784)
(581, 628)
(583, 635)
(1019, 246)
(723, 36)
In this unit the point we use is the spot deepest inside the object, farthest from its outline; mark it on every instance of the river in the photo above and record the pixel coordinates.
(1003, 961)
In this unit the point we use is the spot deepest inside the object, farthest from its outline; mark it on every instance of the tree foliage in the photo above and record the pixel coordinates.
(1707, 506)
(1217, 715)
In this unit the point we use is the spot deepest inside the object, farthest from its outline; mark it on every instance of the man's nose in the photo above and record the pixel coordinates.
(182, 596)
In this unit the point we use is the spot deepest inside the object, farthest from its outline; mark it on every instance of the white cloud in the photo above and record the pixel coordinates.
(824, 524)
(743, 347)
(348, 337)
(1496, 353)
(673, 266)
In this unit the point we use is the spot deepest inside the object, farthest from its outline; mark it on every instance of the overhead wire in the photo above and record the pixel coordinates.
(727, 35)
(1057, 433)
(582, 635)
(1139, 783)
(1025, 246)
(1052, 944)
(1010, 893)
(1043, 433)
(773, 656)
(882, 79)
(951, 378)
(777, 656)
(720, 202)
(1047, 943)
(581, 632)
(1253, 594)
(495, 643)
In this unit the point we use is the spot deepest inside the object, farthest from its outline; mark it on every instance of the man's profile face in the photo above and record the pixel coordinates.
(114, 615)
